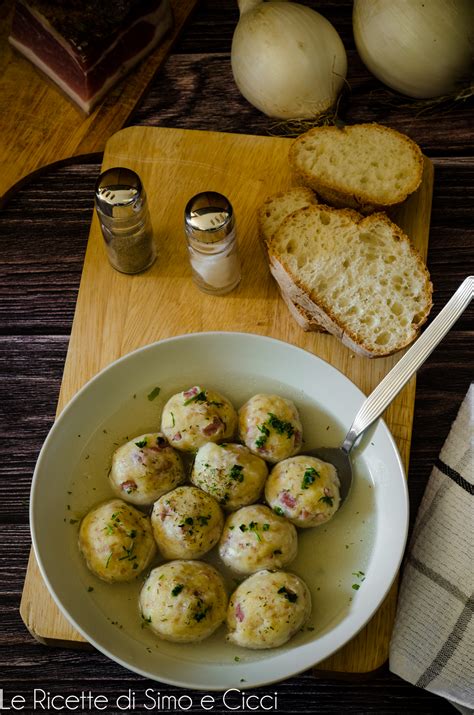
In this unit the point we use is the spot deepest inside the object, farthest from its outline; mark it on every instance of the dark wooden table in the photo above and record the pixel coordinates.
(44, 230)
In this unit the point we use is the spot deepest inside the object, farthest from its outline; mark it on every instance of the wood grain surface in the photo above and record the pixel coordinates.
(39, 125)
(123, 309)
(44, 229)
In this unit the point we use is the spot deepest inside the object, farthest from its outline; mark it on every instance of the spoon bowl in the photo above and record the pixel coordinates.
(342, 461)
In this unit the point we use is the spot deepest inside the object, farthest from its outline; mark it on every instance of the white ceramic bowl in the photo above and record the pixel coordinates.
(366, 537)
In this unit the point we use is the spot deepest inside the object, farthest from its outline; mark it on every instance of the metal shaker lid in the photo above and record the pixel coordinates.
(119, 193)
(209, 217)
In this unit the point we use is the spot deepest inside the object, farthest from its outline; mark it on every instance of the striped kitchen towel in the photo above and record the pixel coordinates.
(433, 639)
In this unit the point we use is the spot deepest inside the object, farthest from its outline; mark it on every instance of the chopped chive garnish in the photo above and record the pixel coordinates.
(280, 426)
(289, 595)
(309, 477)
(236, 473)
(200, 397)
(260, 442)
(201, 614)
(154, 393)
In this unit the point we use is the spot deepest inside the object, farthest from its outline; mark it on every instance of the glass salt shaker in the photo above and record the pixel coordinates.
(212, 242)
(122, 208)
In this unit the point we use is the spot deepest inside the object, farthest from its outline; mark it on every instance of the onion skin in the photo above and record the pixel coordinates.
(287, 60)
(420, 48)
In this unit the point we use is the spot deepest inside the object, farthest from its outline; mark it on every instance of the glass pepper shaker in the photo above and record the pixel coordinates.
(211, 236)
(122, 208)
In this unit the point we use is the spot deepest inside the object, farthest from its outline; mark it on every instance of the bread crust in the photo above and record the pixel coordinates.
(316, 304)
(343, 196)
(301, 316)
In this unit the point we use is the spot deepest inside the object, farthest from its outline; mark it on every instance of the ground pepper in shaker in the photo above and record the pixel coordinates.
(122, 208)
(212, 242)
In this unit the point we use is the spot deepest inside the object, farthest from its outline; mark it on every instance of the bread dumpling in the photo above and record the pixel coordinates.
(231, 473)
(186, 523)
(183, 601)
(196, 416)
(255, 538)
(116, 541)
(267, 609)
(304, 489)
(145, 468)
(270, 426)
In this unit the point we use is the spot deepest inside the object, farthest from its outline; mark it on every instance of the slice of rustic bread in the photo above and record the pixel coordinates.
(367, 167)
(270, 216)
(359, 277)
(278, 206)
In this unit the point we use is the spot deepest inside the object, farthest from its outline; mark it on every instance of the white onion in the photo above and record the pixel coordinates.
(421, 48)
(287, 60)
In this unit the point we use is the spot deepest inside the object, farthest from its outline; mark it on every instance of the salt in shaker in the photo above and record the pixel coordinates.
(121, 205)
(212, 242)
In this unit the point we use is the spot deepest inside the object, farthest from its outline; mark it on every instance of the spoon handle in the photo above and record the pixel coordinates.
(392, 383)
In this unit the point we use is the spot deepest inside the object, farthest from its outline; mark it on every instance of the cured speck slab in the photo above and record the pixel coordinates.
(84, 47)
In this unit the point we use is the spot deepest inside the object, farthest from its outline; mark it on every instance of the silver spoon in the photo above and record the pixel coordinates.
(393, 382)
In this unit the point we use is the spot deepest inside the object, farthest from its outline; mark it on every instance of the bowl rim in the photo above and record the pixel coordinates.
(209, 686)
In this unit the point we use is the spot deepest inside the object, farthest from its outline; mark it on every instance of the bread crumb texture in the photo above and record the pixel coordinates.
(278, 206)
(361, 274)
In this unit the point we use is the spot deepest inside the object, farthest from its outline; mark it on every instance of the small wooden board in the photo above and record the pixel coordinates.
(39, 125)
(117, 313)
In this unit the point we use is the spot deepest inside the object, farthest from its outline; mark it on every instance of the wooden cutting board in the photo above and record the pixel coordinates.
(117, 313)
(40, 125)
